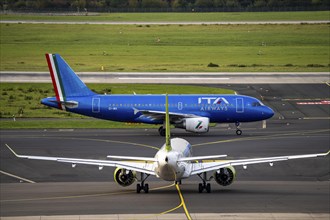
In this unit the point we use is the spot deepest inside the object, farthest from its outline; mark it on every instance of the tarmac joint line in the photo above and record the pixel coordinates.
(16, 177)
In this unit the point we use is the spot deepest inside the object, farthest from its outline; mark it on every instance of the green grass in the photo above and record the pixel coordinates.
(23, 123)
(190, 48)
(22, 100)
(219, 16)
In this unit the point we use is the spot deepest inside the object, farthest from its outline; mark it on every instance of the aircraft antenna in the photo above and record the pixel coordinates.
(167, 126)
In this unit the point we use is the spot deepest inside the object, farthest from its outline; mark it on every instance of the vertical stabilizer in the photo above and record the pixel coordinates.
(167, 127)
(65, 81)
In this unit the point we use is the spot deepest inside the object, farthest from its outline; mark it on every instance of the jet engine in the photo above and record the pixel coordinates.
(196, 125)
(225, 176)
(124, 177)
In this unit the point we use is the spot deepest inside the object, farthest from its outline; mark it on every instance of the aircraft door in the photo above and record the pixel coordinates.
(180, 105)
(96, 105)
(239, 105)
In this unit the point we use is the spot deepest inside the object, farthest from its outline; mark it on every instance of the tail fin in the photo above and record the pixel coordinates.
(167, 127)
(65, 81)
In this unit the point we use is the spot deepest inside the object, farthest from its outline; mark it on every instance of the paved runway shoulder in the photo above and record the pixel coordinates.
(178, 77)
(297, 189)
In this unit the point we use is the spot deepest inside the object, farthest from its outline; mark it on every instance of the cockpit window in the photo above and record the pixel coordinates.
(255, 104)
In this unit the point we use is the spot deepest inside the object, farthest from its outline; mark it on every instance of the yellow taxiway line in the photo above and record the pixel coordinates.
(182, 202)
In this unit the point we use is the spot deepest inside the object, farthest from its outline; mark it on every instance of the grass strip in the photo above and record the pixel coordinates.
(167, 48)
(175, 17)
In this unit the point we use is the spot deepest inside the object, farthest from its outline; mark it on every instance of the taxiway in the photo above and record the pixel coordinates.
(299, 188)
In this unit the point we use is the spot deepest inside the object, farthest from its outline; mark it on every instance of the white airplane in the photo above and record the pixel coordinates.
(173, 162)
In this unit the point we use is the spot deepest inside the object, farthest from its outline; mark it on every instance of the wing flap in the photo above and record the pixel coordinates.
(160, 115)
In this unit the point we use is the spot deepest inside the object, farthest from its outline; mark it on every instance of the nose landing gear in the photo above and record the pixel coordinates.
(238, 131)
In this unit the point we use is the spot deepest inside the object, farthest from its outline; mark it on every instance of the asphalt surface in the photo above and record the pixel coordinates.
(177, 77)
(300, 126)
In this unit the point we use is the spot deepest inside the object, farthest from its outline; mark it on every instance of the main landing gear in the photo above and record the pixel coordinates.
(142, 186)
(204, 185)
(162, 131)
(238, 131)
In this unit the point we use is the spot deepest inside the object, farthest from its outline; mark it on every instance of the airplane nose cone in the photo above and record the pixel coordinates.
(268, 112)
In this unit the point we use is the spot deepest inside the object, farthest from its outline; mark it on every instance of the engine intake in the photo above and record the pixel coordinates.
(225, 176)
(124, 177)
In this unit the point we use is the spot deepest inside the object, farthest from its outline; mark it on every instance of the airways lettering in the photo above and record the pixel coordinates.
(214, 108)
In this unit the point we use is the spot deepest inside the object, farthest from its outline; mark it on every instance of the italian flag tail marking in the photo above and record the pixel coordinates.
(56, 80)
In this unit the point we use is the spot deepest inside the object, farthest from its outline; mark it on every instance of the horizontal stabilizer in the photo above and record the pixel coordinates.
(147, 159)
(201, 158)
(69, 104)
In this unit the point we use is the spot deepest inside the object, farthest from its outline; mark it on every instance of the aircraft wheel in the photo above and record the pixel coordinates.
(208, 188)
(238, 132)
(146, 188)
(178, 182)
(162, 131)
(138, 188)
(200, 188)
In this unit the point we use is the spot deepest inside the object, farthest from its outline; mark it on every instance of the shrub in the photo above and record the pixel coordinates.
(27, 97)
(315, 65)
(212, 65)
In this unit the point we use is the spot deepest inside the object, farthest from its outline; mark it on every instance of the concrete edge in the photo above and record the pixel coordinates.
(197, 216)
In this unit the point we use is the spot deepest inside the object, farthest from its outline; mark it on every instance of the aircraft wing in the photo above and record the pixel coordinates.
(160, 115)
(210, 166)
(140, 166)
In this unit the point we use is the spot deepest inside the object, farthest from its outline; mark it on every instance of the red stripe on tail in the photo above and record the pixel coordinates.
(53, 80)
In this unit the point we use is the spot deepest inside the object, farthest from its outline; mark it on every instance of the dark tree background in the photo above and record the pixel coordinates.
(169, 5)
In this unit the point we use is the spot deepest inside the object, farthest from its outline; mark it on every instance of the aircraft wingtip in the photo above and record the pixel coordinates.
(12, 150)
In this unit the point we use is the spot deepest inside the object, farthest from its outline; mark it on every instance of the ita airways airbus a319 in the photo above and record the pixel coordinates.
(190, 112)
(173, 162)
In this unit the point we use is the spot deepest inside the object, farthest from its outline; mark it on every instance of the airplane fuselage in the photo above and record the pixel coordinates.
(168, 167)
(128, 108)
(190, 112)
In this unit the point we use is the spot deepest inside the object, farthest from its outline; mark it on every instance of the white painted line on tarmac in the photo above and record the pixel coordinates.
(17, 177)
(316, 118)
(172, 78)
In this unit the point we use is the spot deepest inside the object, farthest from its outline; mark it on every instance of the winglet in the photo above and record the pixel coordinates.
(12, 150)
(167, 126)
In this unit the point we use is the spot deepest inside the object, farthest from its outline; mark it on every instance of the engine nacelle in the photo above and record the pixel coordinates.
(124, 177)
(196, 125)
(225, 176)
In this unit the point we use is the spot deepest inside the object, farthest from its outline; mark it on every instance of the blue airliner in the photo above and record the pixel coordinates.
(190, 112)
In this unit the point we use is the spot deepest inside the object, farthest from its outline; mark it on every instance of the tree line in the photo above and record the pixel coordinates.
(180, 5)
